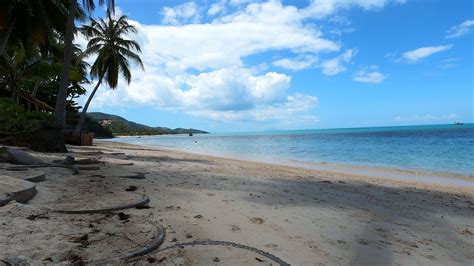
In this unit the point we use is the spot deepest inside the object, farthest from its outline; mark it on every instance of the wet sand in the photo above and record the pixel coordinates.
(303, 216)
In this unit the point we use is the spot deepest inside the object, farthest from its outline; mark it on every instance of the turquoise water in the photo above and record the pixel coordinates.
(442, 148)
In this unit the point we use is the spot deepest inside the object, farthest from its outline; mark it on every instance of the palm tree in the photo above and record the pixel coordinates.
(32, 22)
(59, 114)
(113, 54)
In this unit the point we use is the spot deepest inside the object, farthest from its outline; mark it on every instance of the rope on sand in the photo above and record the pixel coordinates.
(142, 250)
(144, 201)
(228, 244)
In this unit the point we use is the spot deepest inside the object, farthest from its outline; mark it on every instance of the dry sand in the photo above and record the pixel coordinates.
(305, 217)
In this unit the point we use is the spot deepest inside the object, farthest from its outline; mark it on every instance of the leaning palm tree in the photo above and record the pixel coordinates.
(106, 40)
(51, 138)
(59, 114)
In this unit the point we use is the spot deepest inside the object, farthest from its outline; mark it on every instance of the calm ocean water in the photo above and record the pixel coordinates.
(441, 148)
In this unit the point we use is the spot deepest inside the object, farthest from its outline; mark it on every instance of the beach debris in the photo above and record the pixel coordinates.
(173, 239)
(189, 236)
(88, 161)
(467, 232)
(114, 153)
(144, 201)
(271, 245)
(216, 259)
(131, 188)
(143, 207)
(326, 182)
(173, 207)
(83, 240)
(199, 216)
(134, 176)
(234, 228)
(259, 259)
(15, 189)
(87, 152)
(27, 160)
(150, 260)
(20, 260)
(69, 160)
(76, 259)
(18, 157)
(33, 217)
(122, 216)
(88, 167)
(257, 220)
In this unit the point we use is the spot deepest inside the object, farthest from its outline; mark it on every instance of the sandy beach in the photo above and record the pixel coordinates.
(302, 216)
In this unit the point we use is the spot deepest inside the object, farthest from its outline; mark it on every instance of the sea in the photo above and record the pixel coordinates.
(433, 148)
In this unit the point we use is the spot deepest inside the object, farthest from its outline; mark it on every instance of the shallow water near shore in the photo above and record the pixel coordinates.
(446, 149)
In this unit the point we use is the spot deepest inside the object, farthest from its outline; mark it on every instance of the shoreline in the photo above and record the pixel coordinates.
(410, 176)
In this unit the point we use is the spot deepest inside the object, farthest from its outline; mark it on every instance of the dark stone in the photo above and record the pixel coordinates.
(131, 188)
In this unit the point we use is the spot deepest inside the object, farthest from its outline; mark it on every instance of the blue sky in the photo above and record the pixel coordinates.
(237, 65)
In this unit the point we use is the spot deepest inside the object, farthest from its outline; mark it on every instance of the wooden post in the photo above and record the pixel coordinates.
(87, 139)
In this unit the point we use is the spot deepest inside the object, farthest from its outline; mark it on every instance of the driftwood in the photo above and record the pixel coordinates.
(26, 160)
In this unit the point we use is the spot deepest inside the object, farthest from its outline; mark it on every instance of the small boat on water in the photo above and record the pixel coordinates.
(458, 123)
(190, 134)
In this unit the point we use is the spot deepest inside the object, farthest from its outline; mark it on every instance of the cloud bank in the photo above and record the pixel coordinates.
(195, 60)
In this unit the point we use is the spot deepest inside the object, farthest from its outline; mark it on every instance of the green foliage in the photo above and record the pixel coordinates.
(99, 131)
(15, 120)
(114, 52)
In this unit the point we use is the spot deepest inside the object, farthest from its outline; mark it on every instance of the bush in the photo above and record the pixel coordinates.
(99, 131)
(14, 119)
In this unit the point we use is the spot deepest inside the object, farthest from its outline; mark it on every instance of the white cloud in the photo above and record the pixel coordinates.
(299, 63)
(425, 118)
(217, 8)
(336, 65)
(460, 29)
(370, 75)
(232, 93)
(234, 89)
(323, 8)
(185, 13)
(423, 52)
(257, 28)
(198, 68)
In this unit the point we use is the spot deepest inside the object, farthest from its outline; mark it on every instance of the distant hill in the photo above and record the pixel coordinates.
(121, 126)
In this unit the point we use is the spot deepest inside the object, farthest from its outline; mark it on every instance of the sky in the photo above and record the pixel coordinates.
(239, 65)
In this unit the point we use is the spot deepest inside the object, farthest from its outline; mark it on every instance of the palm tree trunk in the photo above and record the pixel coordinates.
(35, 89)
(5, 39)
(80, 122)
(59, 115)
